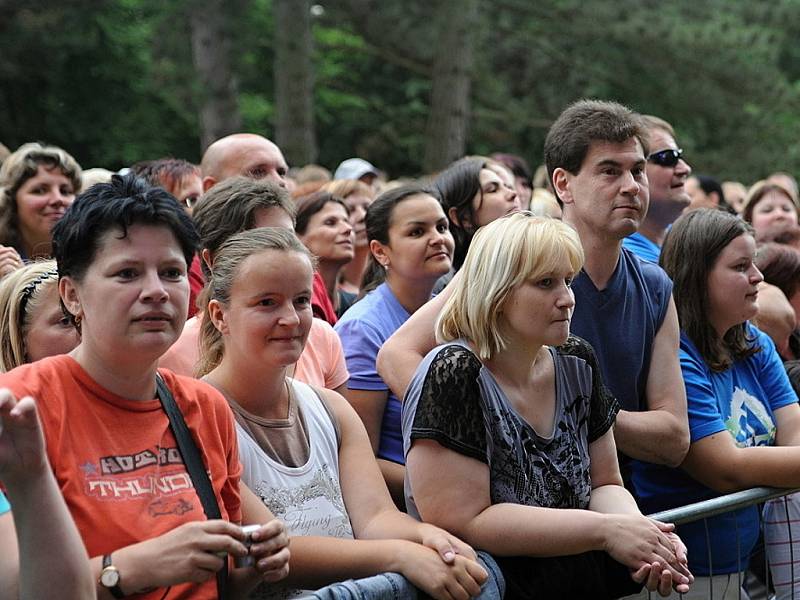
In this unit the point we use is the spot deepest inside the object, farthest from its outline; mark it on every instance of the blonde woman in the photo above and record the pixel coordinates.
(32, 323)
(304, 450)
(507, 429)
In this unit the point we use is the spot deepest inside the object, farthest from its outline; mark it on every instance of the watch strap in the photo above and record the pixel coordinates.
(115, 590)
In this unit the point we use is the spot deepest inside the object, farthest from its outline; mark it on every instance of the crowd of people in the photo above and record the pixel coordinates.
(241, 380)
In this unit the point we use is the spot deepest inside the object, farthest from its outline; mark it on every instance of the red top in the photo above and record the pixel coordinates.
(321, 303)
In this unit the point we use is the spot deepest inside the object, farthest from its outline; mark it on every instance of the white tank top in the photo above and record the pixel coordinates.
(307, 498)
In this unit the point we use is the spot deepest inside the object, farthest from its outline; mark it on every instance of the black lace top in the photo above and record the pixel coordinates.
(454, 400)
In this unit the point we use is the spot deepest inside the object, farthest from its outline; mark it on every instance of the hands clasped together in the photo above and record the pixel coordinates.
(652, 551)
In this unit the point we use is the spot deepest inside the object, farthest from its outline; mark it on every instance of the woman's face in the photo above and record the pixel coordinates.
(358, 204)
(733, 285)
(329, 234)
(538, 311)
(773, 207)
(49, 332)
(495, 199)
(420, 244)
(134, 296)
(41, 202)
(268, 316)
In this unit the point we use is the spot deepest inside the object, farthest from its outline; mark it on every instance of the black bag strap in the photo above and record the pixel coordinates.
(194, 466)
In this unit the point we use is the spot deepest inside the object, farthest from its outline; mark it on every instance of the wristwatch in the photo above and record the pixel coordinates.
(109, 577)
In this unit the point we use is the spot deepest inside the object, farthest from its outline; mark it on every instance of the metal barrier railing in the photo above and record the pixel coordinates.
(738, 500)
(720, 505)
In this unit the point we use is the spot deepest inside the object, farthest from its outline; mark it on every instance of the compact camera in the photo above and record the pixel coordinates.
(249, 560)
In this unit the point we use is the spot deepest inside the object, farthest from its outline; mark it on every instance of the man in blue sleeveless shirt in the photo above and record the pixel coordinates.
(667, 173)
(596, 157)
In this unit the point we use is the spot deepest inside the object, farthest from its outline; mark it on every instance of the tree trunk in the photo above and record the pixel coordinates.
(446, 132)
(294, 82)
(219, 102)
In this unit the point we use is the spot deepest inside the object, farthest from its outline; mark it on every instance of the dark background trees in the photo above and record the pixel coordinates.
(407, 85)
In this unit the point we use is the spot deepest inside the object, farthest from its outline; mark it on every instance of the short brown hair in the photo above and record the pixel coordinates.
(230, 207)
(168, 173)
(584, 122)
(651, 122)
(780, 266)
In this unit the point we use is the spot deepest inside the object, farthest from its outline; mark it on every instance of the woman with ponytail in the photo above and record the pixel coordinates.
(411, 247)
(304, 450)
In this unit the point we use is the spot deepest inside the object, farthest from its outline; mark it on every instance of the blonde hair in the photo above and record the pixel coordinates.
(346, 187)
(227, 261)
(17, 169)
(503, 255)
(21, 294)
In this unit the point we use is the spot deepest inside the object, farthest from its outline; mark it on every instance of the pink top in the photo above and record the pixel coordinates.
(321, 364)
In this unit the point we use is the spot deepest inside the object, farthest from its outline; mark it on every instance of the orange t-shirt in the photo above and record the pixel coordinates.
(116, 460)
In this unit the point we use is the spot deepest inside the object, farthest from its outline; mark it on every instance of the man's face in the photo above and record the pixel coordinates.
(668, 193)
(257, 158)
(609, 196)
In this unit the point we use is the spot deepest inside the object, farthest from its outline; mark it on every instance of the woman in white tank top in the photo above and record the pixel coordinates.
(305, 451)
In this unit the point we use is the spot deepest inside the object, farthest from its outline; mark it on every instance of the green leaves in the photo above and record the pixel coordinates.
(113, 82)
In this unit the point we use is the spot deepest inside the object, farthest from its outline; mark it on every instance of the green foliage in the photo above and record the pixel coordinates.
(113, 81)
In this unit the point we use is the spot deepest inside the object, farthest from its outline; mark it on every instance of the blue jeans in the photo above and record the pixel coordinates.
(394, 586)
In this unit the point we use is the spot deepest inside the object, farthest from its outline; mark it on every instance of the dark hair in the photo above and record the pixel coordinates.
(516, 164)
(690, 252)
(166, 172)
(457, 186)
(780, 266)
(793, 371)
(584, 122)
(308, 206)
(104, 207)
(709, 184)
(230, 207)
(379, 220)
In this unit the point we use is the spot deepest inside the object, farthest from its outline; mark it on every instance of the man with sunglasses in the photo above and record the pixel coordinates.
(667, 173)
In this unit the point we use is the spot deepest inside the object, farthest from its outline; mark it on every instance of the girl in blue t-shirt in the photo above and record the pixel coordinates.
(744, 417)
(411, 247)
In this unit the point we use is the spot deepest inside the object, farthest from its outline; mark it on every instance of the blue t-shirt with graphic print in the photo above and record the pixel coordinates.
(4, 505)
(742, 401)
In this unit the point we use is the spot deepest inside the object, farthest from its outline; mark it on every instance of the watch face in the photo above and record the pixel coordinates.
(109, 577)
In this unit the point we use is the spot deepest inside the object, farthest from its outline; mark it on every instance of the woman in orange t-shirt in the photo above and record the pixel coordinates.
(122, 250)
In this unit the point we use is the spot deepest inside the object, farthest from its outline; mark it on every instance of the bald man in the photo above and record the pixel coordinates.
(254, 157)
(245, 154)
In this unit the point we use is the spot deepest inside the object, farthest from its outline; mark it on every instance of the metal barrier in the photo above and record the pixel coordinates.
(722, 504)
(738, 500)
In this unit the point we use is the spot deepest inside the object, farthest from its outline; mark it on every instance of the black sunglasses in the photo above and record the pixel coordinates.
(666, 158)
